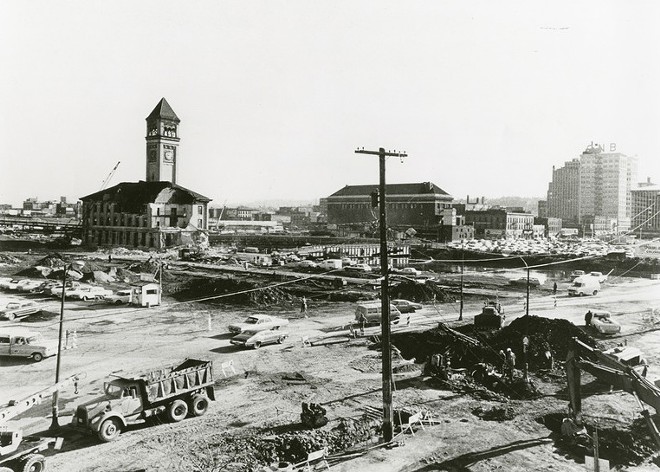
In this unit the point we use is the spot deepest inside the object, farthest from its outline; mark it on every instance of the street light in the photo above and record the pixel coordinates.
(55, 409)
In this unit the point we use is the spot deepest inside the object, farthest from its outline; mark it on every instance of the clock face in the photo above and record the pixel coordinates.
(169, 155)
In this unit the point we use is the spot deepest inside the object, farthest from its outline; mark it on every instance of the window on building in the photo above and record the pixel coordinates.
(200, 210)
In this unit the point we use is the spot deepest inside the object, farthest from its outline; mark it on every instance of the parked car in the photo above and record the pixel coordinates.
(45, 287)
(56, 290)
(410, 271)
(256, 339)
(258, 323)
(15, 284)
(122, 296)
(88, 293)
(306, 263)
(603, 323)
(361, 267)
(12, 308)
(406, 306)
(28, 285)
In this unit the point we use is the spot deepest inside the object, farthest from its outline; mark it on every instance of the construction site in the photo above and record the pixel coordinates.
(484, 376)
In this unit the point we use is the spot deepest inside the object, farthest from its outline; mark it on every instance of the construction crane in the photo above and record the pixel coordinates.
(104, 184)
(15, 453)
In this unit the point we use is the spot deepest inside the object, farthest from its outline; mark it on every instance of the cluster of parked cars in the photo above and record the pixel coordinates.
(579, 248)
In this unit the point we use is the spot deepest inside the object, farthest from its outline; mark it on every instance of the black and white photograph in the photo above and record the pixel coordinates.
(350, 236)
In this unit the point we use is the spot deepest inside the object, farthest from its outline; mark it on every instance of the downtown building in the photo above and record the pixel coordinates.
(156, 213)
(593, 192)
(420, 209)
(646, 210)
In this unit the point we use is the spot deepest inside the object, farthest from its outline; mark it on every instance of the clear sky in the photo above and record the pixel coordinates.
(274, 96)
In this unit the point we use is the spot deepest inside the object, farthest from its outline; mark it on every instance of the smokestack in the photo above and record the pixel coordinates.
(483, 200)
(468, 199)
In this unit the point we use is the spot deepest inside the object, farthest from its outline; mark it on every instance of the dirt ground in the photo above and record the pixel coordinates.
(262, 399)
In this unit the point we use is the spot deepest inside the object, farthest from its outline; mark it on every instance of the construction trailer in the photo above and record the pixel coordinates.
(145, 294)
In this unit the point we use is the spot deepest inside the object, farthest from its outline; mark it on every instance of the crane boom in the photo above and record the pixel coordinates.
(16, 407)
(105, 182)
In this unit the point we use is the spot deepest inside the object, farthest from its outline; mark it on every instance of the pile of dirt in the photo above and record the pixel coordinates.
(420, 292)
(232, 290)
(52, 260)
(253, 450)
(495, 413)
(6, 259)
(622, 445)
(544, 334)
(352, 296)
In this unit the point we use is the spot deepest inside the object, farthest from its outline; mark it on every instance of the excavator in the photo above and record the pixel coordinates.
(608, 369)
(17, 454)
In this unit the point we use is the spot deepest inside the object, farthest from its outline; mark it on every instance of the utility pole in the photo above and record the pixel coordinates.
(384, 294)
(460, 312)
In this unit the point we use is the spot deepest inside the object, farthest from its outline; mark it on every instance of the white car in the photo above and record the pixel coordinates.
(306, 263)
(256, 339)
(410, 271)
(359, 268)
(29, 285)
(11, 309)
(88, 293)
(603, 323)
(122, 296)
(258, 323)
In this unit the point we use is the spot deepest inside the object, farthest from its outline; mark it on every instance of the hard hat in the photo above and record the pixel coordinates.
(508, 349)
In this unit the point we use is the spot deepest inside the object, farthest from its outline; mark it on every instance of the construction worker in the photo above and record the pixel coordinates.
(303, 306)
(554, 288)
(587, 318)
(363, 322)
(510, 362)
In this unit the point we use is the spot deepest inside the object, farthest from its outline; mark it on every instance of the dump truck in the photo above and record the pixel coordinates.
(490, 318)
(19, 453)
(175, 391)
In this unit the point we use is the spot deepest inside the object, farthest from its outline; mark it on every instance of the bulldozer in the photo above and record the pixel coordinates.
(490, 318)
(313, 415)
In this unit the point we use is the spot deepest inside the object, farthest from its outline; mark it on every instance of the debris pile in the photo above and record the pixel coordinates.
(237, 291)
(253, 450)
(495, 413)
(418, 292)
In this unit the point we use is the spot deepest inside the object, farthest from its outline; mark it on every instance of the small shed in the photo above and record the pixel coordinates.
(145, 294)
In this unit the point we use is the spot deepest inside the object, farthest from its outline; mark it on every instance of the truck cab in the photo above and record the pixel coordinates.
(20, 342)
(584, 285)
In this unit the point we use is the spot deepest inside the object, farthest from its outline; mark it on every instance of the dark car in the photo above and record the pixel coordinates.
(406, 306)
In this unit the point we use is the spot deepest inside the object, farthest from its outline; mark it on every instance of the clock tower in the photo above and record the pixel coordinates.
(162, 143)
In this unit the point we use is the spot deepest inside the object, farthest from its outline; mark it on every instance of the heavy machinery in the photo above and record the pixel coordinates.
(608, 369)
(313, 415)
(19, 454)
(490, 318)
(175, 390)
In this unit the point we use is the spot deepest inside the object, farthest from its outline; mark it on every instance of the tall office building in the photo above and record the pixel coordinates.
(606, 180)
(593, 191)
(563, 193)
(646, 210)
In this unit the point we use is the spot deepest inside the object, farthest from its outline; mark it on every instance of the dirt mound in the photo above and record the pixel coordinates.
(232, 290)
(52, 260)
(495, 413)
(418, 292)
(544, 334)
(9, 260)
(621, 444)
(253, 450)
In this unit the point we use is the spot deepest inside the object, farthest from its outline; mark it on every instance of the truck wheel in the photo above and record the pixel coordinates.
(177, 410)
(280, 340)
(595, 293)
(37, 357)
(10, 316)
(109, 430)
(257, 344)
(198, 405)
(33, 463)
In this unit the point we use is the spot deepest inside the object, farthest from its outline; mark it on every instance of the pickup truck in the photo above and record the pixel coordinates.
(175, 391)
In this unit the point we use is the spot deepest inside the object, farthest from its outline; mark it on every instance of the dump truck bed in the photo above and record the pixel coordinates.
(161, 384)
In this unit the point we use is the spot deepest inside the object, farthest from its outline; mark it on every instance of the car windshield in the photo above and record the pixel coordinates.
(252, 320)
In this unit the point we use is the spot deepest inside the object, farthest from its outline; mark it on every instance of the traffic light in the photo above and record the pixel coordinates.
(374, 198)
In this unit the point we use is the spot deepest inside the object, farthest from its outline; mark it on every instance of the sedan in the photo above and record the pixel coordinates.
(256, 339)
(11, 309)
(258, 323)
(603, 323)
(406, 306)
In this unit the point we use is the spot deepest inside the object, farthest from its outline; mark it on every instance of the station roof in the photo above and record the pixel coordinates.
(419, 188)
